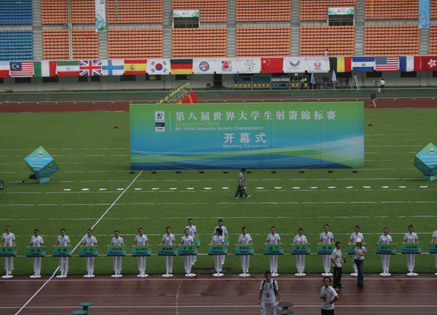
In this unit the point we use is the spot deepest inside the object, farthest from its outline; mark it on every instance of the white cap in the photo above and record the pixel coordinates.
(358, 240)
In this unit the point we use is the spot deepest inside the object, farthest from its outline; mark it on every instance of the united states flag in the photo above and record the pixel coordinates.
(21, 68)
(385, 64)
(90, 68)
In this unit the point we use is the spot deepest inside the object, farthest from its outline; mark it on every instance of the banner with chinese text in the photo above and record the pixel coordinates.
(250, 135)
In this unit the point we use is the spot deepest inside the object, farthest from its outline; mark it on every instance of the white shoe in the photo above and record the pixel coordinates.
(274, 274)
(383, 274)
(435, 274)
(387, 274)
(248, 196)
(329, 274)
(236, 198)
(60, 276)
(114, 276)
(412, 274)
(7, 276)
(33, 276)
(354, 274)
(167, 275)
(86, 276)
(218, 274)
(244, 275)
(190, 275)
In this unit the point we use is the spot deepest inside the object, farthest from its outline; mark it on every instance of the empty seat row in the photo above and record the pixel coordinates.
(263, 10)
(199, 42)
(16, 12)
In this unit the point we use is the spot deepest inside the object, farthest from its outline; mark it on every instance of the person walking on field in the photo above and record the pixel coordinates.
(241, 189)
(352, 240)
(268, 292)
(328, 297)
(337, 259)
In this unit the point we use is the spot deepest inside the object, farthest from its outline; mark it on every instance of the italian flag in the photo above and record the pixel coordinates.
(67, 68)
(45, 68)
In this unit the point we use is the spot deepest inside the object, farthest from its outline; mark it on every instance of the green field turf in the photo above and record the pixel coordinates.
(92, 154)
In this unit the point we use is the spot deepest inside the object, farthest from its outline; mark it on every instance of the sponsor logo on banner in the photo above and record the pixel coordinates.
(249, 64)
(295, 65)
(432, 63)
(227, 65)
(159, 121)
(204, 66)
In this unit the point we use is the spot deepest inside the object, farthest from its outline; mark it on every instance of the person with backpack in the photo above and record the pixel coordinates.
(268, 293)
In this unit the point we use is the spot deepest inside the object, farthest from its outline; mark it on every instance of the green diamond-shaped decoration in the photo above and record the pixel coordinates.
(426, 162)
(42, 164)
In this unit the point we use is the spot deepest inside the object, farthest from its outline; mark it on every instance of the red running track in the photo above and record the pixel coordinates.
(206, 295)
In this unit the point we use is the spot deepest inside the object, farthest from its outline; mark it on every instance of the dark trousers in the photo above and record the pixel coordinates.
(241, 190)
(327, 312)
(338, 271)
(360, 268)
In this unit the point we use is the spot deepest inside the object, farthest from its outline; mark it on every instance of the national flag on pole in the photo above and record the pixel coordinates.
(344, 64)
(113, 67)
(135, 67)
(204, 65)
(409, 63)
(158, 66)
(181, 66)
(90, 68)
(429, 63)
(386, 64)
(363, 64)
(21, 69)
(67, 68)
(45, 68)
(4, 69)
(272, 65)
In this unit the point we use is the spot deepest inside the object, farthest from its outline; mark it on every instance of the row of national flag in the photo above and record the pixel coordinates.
(117, 67)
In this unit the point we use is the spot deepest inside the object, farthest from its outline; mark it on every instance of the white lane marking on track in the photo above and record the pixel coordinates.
(77, 245)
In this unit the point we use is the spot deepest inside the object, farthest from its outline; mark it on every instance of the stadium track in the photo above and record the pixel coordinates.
(104, 106)
(154, 295)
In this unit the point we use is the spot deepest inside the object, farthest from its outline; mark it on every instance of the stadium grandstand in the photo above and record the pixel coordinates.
(222, 31)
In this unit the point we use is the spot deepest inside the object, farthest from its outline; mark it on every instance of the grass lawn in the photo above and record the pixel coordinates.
(92, 154)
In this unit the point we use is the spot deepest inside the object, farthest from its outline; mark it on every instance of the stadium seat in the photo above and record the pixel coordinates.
(134, 11)
(317, 10)
(263, 41)
(386, 40)
(391, 9)
(433, 40)
(55, 44)
(134, 43)
(85, 44)
(263, 10)
(54, 11)
(83, 11)
(315, 39)
(211, 11)
(16, 45)
(433, 9)
(199, 42)
(14, 12)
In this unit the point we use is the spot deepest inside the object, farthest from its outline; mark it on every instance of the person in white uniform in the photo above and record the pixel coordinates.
(168, 239)
(273, 238)
(216, 240)
(328, 297)
(63, 240)
(434, 241)
(141, 240)
(245, 239)
(224, 234)
(268, 293)
(385, 238)
(411, 237)
(89, 240)
(117, 240)
(300, 239)
(36, 241)
(187, 239)
(326, 237)
(8, 239)
(352, 241)
(193, 232)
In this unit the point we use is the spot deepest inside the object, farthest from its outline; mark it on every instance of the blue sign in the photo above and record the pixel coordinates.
(42, 164)
(426, 162)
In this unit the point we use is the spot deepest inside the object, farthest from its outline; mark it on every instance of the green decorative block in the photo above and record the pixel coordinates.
(426, 162)
(274, 249)
(61, 251)
(42, 164)
(8, 251)
(433, 249)
(325, 249)
(187, 250)
(116, 250)
(219, 249)
(301, 249)
(167, 250)
(88, 251)
(244, 250)
(141, 251)
(35, 251)
(411, 248)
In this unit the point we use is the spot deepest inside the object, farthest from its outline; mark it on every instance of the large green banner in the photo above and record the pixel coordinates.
(250, 135)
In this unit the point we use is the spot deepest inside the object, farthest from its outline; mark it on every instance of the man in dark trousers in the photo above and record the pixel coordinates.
(241, 189)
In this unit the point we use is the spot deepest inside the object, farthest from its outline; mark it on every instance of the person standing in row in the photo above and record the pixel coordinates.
(273, 238)
(328, 297)
(326, 237)
(141, 240)
(63, 240)
(337, 259)
(89, 240)
(117, 240)
(187, 239)
(300, 239)
(224, 234)
(352, 241)
(8, 239)
(385, 238)
(36, 241)
(216, 240)
(434, 241)
(360, 252)
(411, 237)
(193, 232)
(168, 239)
(268, 292)
(245, 239)
(241, 189)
